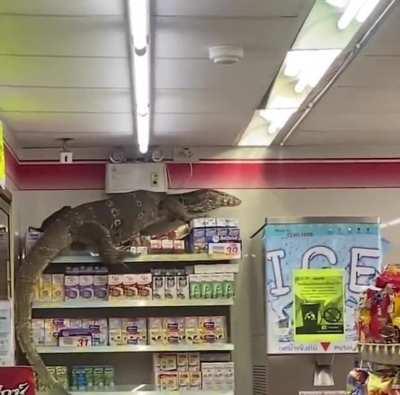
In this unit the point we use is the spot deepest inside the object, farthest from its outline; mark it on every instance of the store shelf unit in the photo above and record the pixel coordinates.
(138, 348)
(98, 304)
(167, 258)
(144, 392)
(386, 354)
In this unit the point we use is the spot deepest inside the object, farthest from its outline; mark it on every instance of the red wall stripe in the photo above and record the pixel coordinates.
(222, 174)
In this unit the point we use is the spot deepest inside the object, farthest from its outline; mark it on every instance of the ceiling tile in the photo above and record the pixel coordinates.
(64, 72)
(63, 7)
(372, 71)
(69, 122)
(22, 99)
(80, 36)
(230, 8)
(177, 37)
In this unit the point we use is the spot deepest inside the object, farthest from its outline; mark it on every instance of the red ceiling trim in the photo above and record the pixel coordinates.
(260, 174)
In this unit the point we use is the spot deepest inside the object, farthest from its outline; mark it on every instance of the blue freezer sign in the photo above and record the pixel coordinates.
(354, 247)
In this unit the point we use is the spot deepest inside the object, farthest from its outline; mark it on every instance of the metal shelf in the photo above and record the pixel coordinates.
(97, 304)
(172, 258)
(138, 348)
(140, 391)
(385, 354)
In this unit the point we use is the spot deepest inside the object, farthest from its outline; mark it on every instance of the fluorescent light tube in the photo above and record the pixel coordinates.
(276, 118)
(337, 3)
(366, 10)
(350, 12)
(139, 22)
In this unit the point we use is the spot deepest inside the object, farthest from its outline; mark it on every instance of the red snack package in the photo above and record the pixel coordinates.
(18, 380)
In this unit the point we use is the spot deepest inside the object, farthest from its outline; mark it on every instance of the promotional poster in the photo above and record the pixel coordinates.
(355, 248)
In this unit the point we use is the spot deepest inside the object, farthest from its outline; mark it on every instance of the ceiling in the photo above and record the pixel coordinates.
(65, 73)
(363, 105)
(65, 69)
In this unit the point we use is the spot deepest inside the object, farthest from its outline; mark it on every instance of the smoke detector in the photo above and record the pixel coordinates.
(225, 54)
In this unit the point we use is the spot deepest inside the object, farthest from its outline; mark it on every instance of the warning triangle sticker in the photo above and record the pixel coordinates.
(325, 345)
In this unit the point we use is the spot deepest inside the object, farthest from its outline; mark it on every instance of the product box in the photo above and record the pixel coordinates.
(129, 283)
(78, 338)
(57, 287)
(134, 330)
(211, 235)
(38, 332)
(115, 332)
(195, 289)
(169, 381)
(195, 381)
(170, 285)
(109, 377)
(86, 287)
(98, 329)
(75, 323)
(182, 361)
(197, 240)
(167, 246)
(197, 223)
(206, 286)
(116, 286)
(192, 333)
(144, 286)
(174, 330)
(194, 361)
(142, 250)
(227, 234)
(212, 329)
(71, 284)
(155, 246)
(45, 287)
(227, 222)
(52, 329)
(182, 285)
(156, 330)
(167, 362)
(100, 283)
(218, 376)
(184, 381)
(158, 285)
(179, 246)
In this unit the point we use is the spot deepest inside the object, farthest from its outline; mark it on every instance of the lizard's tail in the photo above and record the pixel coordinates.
(54, 240)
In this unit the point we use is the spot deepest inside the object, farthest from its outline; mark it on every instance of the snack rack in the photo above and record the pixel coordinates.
(133, 363)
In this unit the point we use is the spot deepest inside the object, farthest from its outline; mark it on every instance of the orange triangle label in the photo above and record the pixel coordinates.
(325, 345)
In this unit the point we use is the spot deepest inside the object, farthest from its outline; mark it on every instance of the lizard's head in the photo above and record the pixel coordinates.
(205, 200)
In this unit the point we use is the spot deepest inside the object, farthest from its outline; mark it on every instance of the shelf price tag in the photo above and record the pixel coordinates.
(76, 341)
(231, 250)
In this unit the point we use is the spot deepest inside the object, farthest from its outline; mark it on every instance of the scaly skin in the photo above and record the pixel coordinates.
(103, 224)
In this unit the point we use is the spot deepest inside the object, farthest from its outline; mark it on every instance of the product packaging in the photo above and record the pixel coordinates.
(57, 287)
(192, 333)
(170, 285)
(86, 286)
(212, 329)
(98, 329)
(71, 284)
(115, 332)
(174, 330)
(116, 286)
(195, 381)
(134, 331)
(52, 329)
(156, 330)
(193, 361)
(144, 286)
(45, 290)
(182, 361)
(129, 282)
(195, 287)
(100, 283)
(169, 381)
(182, 285)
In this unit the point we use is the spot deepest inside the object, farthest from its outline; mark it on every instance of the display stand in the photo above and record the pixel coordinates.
(134, 372)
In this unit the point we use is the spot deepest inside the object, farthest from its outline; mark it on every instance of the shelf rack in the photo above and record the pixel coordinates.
(137, 348)
(100, 304)
(385, 354)
(144, 392)
(147, 258)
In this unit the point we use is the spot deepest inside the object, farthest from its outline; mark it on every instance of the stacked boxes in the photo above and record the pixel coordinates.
(186, 372)
(205, 231)
(89, 378)
(188, 330)
(212, 286)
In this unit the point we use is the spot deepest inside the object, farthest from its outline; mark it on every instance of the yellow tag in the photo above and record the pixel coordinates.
(2, 158)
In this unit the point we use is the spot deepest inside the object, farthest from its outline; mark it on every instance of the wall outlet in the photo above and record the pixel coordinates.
(66, 157)
(155, 179)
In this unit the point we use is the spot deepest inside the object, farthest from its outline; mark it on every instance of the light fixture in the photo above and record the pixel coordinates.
(308, 66)
(276, 118)
(139, 23)
(359, 10)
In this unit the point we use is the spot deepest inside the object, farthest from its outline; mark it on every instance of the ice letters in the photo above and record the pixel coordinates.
(354, 247)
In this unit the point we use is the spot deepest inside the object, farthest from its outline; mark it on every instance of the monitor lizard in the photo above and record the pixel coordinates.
(105, 225)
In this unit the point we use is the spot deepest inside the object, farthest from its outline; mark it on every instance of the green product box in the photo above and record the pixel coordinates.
(108, 377)
(98, 377)
(89, 377)
(195, 286)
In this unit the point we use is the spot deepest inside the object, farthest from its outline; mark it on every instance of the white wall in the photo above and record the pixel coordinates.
(248, 319)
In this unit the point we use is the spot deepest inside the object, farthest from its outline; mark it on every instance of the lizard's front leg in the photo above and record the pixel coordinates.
(95, 234)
